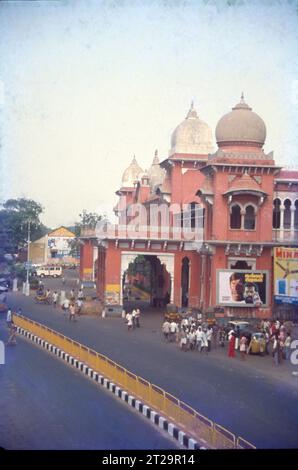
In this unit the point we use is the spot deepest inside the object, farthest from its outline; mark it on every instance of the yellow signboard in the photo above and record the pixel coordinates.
(112, 294)
(286, 275)
(113, 287)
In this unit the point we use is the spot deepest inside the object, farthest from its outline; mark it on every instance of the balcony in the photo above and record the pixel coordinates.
(285, 235)
(113, 232)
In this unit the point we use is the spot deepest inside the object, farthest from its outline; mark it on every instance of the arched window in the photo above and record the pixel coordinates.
(235, 217)
(287, 214)
(194, 208)
(276, 213)
(296, 216)
(249, 218)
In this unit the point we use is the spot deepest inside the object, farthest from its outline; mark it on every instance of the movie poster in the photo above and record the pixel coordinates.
(242, 288)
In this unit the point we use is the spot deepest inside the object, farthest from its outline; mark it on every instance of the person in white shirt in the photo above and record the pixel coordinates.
(191, 337)
(133, 314)
(231, 332)
(173, 331)
(287, 346)
(9, 317)
(72, 312)
(55, 299)
(204, 342)
(199, 335)
(166, 330)
(137, 317)
(209, 335)
(65, 306)
(129, 321)
(79, 304)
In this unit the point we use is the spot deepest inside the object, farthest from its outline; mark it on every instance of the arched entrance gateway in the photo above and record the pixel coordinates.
(146, 279)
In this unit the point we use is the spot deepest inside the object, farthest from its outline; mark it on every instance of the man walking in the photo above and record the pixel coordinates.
(55, 299)
(65, 306)
(72, 312)
(79, 303)
(9, 317)
(137, 317)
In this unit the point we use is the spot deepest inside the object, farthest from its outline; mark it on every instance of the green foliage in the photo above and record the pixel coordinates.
(87, 220)
(140, 265)
(15, 215)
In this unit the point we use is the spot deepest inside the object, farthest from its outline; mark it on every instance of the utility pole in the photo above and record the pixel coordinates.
(27, 288)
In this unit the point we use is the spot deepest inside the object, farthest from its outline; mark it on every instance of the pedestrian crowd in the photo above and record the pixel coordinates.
(192, 334)
(71, 303)
(276, 340)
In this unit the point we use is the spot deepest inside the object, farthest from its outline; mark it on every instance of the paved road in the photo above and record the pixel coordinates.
(247, 402)
(44, 404)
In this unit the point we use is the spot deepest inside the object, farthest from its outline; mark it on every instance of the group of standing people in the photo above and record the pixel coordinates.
(279, 335)
(132, 319)
(191, 334)
(72, 305)
(276, 335)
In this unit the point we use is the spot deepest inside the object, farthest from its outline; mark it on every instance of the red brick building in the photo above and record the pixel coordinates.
(207, 220)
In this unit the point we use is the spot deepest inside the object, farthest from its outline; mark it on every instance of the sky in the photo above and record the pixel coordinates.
(86, 85)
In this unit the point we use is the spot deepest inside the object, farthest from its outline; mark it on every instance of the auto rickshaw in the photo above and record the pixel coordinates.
(257, 344)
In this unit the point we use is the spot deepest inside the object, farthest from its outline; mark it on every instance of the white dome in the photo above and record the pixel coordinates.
(192, 136)
(131, 174)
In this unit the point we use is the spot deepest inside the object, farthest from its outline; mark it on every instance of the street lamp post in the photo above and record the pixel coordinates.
(27, 287)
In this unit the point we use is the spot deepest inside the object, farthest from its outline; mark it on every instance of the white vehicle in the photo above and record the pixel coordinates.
(49, 271)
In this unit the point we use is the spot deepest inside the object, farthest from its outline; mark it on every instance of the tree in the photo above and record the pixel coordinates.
(15, 215)
(88, 220)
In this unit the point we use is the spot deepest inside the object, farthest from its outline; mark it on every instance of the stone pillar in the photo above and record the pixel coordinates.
(86, 261)
(203, 283)
(292, 221)
(282, 212)
(242, 213)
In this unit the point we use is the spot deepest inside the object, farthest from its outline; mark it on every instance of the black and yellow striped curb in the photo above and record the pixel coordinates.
(145, 410)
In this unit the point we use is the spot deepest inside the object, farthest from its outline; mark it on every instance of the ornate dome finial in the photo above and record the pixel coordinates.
(242, 96)
(155, 159)
(192, 112)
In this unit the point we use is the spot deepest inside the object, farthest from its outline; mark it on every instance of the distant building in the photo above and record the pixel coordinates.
(52, 248)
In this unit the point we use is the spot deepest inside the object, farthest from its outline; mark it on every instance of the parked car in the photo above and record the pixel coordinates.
(5, 282)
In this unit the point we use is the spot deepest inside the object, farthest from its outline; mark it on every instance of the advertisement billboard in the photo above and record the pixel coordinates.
(286, 275)
(242, 288)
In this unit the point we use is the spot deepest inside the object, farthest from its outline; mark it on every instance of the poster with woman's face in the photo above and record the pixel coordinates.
(242, 288)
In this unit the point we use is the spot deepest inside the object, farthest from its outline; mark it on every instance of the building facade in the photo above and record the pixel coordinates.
(206, 218)
(53, 248)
